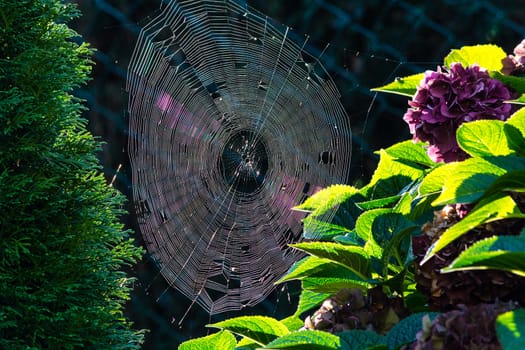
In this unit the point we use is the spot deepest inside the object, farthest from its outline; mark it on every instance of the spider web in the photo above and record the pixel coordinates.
(232, 123)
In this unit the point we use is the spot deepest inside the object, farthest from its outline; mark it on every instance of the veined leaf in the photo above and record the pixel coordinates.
(515, 130)
(334, 284)
(313, 228)
(516, 83)
(484, 138)
(434, 181)
(293, 323)
(310, 266)
(512, 181)
(311, 340)
(510, 327)
(406, 86)
(352, 257)
(487, 56)
(308, 300)
(499, 252)
(327, 199)
(405, 331)
(468, 182)
(411, 152)
(360, 339)
(260, 329)
(390, 177)
(378, 203)
(222, 340)
(491, 208)
(365, 223)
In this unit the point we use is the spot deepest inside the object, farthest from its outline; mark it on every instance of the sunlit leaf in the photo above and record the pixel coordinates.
(499, 252)
(311, 340)
(260, 329)
(222, 340)
(484, 138)
(487, 56)
(492, 208)
(308, 300)
(410, 152)
(510, 327)
(406, 86)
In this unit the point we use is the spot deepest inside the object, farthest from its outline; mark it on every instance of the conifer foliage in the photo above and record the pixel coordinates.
(61, 244)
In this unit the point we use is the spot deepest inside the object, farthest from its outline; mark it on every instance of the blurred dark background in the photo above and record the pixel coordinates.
(370, 43)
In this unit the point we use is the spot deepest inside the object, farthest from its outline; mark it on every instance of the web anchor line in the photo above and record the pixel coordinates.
(232, 123)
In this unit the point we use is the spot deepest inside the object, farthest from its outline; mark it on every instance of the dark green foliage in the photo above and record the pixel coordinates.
(62, 246)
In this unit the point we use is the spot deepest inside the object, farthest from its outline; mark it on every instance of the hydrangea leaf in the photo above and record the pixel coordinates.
(405, 331)
(222, 340)
(510, 328)
(511, 181)
(484, 138)
(359, 339)
(487, 56)
(247, 344)
(312, 340)
(326, 199)
(491, 208)
(391, 177)
(293, 323)
(313, 228)
(515, 130)
(499, 252)
(365, 223)
(260, 329)
(335, 283)
(468, 182)
(315, 269)
(411, 152)
(352, 257)
(378, 203)
(435, 180)
(308, 300)
(406, 86)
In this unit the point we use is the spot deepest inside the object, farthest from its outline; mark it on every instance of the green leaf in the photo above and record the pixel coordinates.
(513, 181)
(434, 181)
(311, 340)
(378, 203)
(335, 283)
(260, 329)
(391, 177)
(313, 228)
(308, 300)
(406, 86)
(405, 331)
(310, 266)
(293, 323)
(222, 340)
(352, 257)
(468, 182)
(516, 83)
(510, 327)
(327, 198)
(499, 253)
(484, 138)
(364, 226)
(515, 130)
(491, 208)
(358, 339)
(410, 152)
(487, 56)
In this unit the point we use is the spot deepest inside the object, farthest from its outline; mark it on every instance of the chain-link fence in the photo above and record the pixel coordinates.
(362, 43)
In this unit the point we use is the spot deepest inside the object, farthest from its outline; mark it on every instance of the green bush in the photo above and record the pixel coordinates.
(62, 246)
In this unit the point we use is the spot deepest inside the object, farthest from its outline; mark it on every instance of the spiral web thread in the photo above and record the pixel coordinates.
(232, 123)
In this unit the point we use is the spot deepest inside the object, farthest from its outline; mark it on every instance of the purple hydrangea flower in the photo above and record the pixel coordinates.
(447, 98)
(515, 64)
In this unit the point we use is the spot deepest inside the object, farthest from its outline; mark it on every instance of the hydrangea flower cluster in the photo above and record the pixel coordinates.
(447, 98)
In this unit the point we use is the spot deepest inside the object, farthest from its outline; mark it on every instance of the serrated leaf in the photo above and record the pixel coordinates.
(405, 331)
(405, 86)
(352, 257)
(434, 181)
(310, 266)
(468, 182)
(378, 203)
(515, 131)
(410, 152)
(484, 138)
(487, 56)
(312, 340)
(335, 284)
(359, 339)
(327, 199)
(222, 340)
(510, 328)
(293, 323)
(260, 329)
(308, 300)
(313, 228)
(499, 253)
(491, 208)
(365, 223)
(247, 344)
(390, 177)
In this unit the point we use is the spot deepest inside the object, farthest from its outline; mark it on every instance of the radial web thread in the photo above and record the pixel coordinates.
(232, 123)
